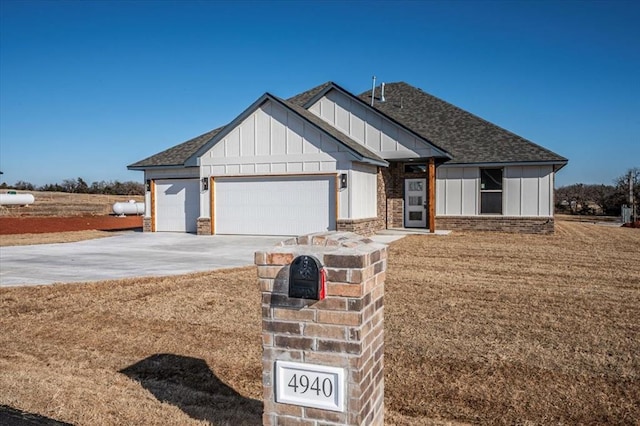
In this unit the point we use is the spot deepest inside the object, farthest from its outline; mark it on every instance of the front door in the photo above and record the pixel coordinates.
(415, 203)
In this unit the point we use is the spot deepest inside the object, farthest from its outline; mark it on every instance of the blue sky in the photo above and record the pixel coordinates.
(88, 87)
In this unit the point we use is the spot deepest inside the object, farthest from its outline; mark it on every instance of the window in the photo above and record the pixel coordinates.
(490, 191)
(416, 185)
(415, 168)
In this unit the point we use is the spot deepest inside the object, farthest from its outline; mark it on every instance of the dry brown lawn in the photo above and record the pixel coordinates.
(54, 238)
(480, 328)
(49, 203)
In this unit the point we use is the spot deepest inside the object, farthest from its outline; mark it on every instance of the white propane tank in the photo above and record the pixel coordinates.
(131, 207)
(17, 199)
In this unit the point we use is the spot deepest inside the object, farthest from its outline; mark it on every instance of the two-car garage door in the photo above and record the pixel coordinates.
(274, 205)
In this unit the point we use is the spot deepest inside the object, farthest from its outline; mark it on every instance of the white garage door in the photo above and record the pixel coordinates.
(177, 205)
(275, 205)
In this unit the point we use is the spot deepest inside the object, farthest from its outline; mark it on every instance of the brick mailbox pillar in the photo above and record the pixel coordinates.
(323, 360)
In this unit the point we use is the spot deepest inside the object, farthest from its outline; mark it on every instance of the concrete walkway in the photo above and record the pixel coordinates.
(133, 254)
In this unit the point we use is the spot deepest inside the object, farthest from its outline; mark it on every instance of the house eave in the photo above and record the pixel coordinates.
(379, 163)
(556, 163)
(158, 167)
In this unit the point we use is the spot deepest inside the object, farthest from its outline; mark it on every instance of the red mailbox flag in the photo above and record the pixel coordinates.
(323, 285)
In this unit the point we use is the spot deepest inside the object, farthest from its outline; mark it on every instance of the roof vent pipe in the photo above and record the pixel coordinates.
(382, 99)
(373, 90)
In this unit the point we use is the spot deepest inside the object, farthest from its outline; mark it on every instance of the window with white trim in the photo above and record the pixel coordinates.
(490, 191)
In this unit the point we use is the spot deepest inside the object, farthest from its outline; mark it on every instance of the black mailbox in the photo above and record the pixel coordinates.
(306, 278)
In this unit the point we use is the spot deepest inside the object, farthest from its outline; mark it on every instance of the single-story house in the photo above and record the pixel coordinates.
(326, 159)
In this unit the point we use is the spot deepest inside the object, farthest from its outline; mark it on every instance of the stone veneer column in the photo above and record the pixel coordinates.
(203, 226)
(344, 330)
(146, 224)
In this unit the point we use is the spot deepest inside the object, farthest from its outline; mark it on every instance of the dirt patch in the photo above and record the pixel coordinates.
(41, 225)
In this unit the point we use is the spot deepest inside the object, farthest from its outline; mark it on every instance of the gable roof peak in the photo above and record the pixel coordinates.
(304, 97)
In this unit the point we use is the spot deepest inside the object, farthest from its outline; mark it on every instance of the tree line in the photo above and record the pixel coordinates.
(579, 198)
(79, 186)
(590, 199)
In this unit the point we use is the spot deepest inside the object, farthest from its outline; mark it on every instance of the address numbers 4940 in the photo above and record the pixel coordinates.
(310, 385)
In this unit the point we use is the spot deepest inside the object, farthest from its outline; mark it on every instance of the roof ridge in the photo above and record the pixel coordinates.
(303, 97)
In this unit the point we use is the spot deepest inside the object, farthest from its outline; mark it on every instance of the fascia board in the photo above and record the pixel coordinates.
(374, 162)
(144, 168)
(510, 163)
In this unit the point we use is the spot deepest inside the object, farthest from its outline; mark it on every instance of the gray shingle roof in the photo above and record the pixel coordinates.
(177, 155)
(304, 97)
(468, 138)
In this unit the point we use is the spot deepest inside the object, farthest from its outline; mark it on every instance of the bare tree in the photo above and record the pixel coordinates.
(572, 197)
(582, 198)
(23, 186)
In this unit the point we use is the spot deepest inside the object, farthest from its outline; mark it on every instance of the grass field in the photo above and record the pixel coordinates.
(480, 328)
(53, 204)
(54, 238)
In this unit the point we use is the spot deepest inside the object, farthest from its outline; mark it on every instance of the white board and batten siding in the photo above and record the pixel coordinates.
(274, 140)
(363, 125)
(363, 192)
(527, 191)
(457, 191)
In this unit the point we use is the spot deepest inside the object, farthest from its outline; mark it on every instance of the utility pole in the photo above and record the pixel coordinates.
(632, 203)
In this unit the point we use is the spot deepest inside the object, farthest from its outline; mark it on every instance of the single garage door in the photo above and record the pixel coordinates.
(177, 205)
(275, 205)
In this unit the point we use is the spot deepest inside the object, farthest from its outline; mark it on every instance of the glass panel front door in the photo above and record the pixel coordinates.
(415, 206)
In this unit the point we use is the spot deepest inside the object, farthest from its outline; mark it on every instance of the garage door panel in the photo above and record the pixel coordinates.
(275, 206)
(177, 205)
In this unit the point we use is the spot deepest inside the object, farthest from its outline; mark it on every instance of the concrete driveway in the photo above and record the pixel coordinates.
(134, 254)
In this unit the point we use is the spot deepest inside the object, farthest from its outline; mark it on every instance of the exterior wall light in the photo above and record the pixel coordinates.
(205, 183)
(147, 185)
(343, 181)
